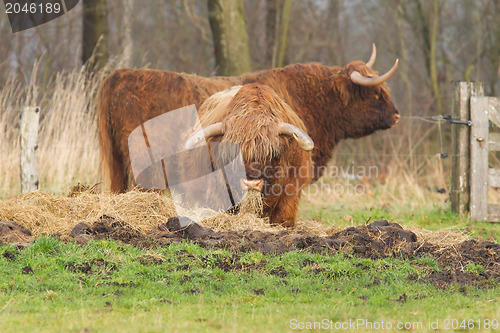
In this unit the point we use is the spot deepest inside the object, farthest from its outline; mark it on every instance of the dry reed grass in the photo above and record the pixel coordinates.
(69, 153)
(67, 140)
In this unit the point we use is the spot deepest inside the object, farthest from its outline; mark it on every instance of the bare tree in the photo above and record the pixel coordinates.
(492, 43)
(227, 21)
(271, 7)
(423, 17)
(128, 7)
(277, 20)
(95, 33)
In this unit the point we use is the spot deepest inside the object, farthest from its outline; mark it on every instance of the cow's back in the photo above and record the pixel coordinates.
(129, 97)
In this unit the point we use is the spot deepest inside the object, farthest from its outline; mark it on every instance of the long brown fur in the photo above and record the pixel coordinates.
(329, 104)
(250, 115)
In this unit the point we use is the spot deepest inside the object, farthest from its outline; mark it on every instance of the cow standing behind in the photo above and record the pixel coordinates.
(275, 147)
(334, 103)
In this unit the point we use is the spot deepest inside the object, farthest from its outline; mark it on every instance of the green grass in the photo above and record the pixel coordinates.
(191, 291)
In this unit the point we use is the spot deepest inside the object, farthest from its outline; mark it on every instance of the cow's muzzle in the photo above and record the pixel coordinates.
(396, 117)
(252, 184)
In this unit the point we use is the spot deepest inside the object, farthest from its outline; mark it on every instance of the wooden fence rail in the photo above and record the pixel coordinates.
(460, 187)
(483, 111)
(471, 175)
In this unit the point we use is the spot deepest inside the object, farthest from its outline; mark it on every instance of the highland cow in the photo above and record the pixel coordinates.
(275, 147)
(334, 103)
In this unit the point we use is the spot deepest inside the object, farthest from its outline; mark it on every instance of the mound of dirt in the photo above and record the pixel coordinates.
(376, 240)
(108, 227)
(379, 239)
(12, 233)
(468, 262)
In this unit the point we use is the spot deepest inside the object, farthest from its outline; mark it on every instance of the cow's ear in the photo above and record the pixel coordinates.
(343, 86)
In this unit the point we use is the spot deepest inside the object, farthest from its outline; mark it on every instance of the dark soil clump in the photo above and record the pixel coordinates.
(90, 266)
(12, 233)
(108, 227)
(27, 270)
(471, 262)
(10, 256)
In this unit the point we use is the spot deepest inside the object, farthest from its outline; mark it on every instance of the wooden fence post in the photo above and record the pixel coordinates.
(479, 158)
(28, 130)
(460, 185)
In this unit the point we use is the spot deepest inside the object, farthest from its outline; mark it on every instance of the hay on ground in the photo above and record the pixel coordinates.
(44, 214)
(445, 237)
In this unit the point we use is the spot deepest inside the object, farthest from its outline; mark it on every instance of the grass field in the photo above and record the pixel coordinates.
(106, 286)
(113, 287)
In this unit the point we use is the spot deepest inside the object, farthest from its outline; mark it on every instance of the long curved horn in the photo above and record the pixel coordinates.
(205, 133)
(357, 78)
(372, 57)
(305, 142)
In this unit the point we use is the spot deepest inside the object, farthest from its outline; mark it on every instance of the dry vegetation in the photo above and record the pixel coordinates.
(45, 214)
(68, 148)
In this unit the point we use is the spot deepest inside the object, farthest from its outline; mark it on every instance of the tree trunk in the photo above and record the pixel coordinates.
(493, 50)
(432, 55)
(279, 60)
(271, 7)
(336, 54)
(128, 8)
(277, 18)
(95, 34)
(227, 21)
(424, 20)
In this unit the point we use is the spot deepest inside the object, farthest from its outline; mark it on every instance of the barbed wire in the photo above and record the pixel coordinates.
(439, 119)
(435, 155)
(49, 111)
(440, 155)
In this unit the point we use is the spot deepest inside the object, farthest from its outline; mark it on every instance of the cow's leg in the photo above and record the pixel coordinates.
(285, 210)
(118, 174)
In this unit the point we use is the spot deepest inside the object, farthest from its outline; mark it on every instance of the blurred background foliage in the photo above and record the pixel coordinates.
(437, 41)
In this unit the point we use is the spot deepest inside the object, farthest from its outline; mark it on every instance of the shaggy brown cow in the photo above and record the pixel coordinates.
(273, 141)
(334, 103)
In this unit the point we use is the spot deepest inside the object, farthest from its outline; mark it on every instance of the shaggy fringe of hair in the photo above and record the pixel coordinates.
(344, 87)
(250, 115)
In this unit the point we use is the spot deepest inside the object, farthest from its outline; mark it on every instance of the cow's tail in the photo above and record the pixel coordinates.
(105, 141)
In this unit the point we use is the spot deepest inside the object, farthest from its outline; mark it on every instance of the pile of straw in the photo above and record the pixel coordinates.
(44, 214)
(445, 237)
